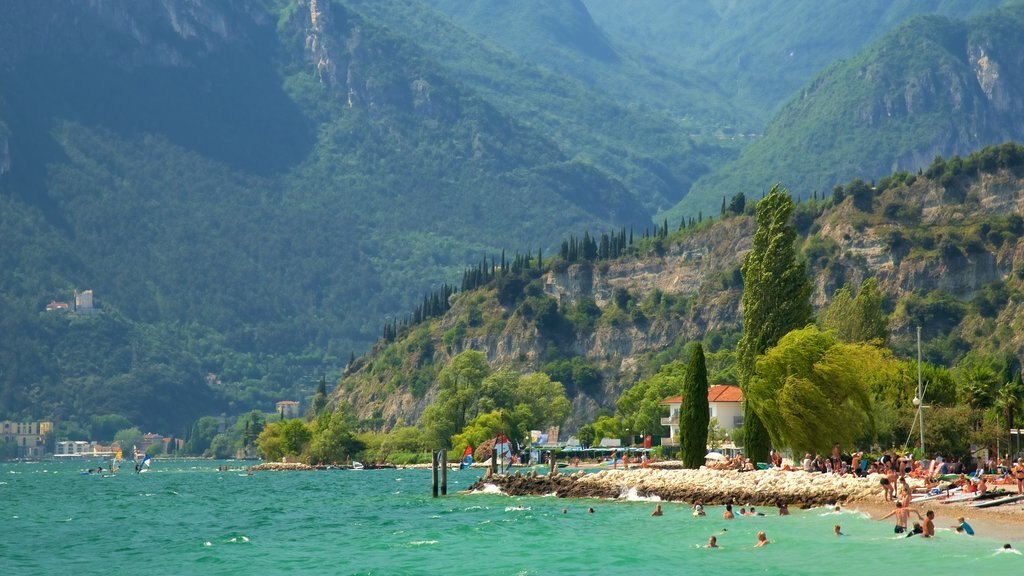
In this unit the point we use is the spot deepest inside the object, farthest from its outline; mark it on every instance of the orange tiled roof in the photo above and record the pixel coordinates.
(716, 393)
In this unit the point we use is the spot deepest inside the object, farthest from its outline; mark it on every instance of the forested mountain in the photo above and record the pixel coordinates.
(760, 52)
(595, 118)
(252, 189)
(250, 186)
(932, 86)
(943, 250)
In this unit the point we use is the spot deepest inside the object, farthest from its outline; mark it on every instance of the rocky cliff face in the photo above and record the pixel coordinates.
(701, 268)
(151, 32)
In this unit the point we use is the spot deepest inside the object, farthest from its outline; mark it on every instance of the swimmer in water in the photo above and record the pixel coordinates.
(838, 531)
(728, 515)
(657, 510)
(762, 540)
(713, 543)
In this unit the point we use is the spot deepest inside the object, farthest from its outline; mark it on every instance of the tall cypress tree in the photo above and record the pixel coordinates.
(776, 299)
(695, 413)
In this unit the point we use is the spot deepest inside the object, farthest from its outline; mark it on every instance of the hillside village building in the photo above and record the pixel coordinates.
(28, 438)
(288, 409)
(724, 401)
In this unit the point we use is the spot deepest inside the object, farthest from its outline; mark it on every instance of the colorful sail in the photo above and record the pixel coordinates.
(504, 450)
(467, 458)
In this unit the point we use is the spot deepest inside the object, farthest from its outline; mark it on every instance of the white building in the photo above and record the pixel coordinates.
(83, 302)
(288, 409)
(724, 401)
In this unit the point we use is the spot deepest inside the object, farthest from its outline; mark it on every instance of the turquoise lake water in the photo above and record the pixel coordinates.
(185, 517)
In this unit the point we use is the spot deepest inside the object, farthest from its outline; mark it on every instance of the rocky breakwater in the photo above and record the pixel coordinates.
(281, 466)
(761, 487)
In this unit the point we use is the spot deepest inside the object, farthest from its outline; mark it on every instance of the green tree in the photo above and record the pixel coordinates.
(127, 438)
(1009, 400)
(640, 405)
(859, 319)
(607, 427)
(319, 402)
(586, 435)
(776, 299)
(541, 401)
(811, 390)
(695, 413)
(457, 398)
(104, 428)
(287, 438)
(332, 440)
(977, 382)
(402, 439)
(202, 434)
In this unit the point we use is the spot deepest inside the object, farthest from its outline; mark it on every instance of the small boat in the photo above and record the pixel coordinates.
(357, 465)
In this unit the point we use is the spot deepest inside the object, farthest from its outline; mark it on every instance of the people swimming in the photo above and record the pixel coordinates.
(838, 530)
(712, 542)
(963, 527)
(762, 539)
(698, 509)
(916, 530)
(783, 509)
(657, 510)
(728, 514)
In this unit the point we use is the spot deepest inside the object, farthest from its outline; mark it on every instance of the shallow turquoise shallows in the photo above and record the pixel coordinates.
(185, 517)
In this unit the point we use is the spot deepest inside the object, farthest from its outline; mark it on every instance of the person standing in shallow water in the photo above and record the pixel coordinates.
(929, 524)
(728, 514)
(902, 514)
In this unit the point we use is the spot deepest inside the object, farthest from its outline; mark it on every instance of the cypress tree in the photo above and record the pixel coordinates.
(776, 300)
(694, 416)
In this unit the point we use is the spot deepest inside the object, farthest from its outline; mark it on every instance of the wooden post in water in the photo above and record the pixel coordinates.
(494, 459)
(444, 472)
(553, 465)
(433, 473)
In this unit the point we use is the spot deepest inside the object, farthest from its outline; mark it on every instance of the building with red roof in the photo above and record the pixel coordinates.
(724, 400)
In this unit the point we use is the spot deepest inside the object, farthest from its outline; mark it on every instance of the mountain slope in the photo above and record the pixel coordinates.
(249, 188)
(931, 87)
(649, 150)
(946, 248)
(761, 52)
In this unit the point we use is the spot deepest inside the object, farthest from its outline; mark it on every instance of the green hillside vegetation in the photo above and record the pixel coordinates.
(761, 52)
(244, 226)
(562, 37)
(969, 349)
(911, 95)
(649, 150)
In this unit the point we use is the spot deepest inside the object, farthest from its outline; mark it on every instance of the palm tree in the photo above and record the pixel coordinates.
(1009, 401)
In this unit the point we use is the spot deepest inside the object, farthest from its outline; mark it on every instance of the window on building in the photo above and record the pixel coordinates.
(737, 421)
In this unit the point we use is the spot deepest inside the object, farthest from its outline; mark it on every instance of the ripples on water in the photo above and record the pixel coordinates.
(185, 517)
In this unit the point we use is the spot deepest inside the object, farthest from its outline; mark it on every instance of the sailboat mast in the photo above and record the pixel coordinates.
(920, 393)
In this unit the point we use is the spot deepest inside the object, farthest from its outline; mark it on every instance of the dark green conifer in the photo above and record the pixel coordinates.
(776, 300)
(694, 415)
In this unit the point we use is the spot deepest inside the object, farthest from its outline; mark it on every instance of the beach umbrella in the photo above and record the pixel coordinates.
(714, 456)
